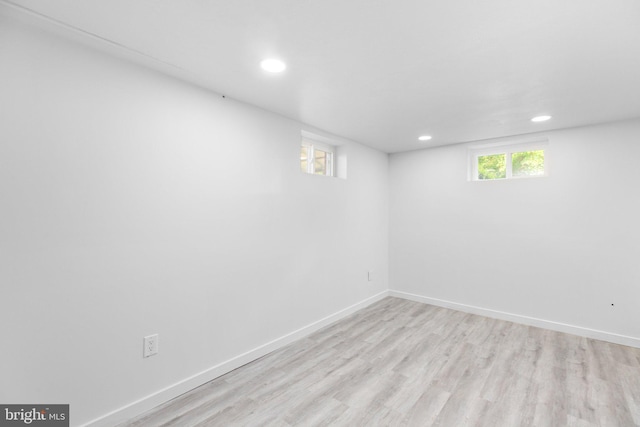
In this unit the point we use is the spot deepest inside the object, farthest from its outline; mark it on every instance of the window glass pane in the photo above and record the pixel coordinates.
(320, 162)
(493, 166)
(528, 163)
(303, 158)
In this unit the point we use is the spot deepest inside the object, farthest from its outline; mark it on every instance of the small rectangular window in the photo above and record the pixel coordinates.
(527, 163)
(492, 166)
(316, 158)
(508, 161)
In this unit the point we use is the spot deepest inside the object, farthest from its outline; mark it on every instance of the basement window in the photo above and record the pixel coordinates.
(508, 161)
(317, 158)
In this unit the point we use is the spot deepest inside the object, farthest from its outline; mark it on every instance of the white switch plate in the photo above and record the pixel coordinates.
(370, 276)
(150, 345)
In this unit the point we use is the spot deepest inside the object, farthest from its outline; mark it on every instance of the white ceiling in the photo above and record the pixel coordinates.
(384, 72)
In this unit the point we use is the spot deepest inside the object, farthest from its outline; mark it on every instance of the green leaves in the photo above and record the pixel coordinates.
(523, 163)
(527, 163)
(493, 166)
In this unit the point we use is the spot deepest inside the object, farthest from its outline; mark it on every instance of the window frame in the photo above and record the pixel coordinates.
(312, 145)
(508, 149)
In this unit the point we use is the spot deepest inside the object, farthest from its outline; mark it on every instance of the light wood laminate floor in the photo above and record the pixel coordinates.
(403, 363)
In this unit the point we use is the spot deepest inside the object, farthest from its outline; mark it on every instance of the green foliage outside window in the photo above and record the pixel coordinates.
(523, 163)
(527, 163)
(493, 166)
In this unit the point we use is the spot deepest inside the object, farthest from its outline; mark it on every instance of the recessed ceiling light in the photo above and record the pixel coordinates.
(540, 118)
(273, 65)
(424, 138)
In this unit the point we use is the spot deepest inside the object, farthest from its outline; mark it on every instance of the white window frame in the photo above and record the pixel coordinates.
(311, 147)
(507, 148)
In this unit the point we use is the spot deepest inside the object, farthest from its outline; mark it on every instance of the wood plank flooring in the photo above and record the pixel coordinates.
(403, 363)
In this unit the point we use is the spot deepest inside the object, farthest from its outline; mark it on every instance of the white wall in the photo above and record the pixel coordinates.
(559, 249)
(132, 203)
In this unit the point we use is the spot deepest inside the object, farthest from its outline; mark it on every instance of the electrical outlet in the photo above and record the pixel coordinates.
(370, 276)
(150, 345)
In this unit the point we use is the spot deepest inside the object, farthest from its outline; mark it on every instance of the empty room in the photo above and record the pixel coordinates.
(319, 213)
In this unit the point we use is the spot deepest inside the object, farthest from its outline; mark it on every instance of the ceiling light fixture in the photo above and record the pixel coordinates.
(540, 118)
(424, 138)
(273, 65)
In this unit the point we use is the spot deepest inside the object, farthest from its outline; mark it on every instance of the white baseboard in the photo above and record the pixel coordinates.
(149, 402)
(525, 320)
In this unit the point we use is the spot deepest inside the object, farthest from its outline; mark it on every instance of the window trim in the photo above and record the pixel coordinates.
(508, 149)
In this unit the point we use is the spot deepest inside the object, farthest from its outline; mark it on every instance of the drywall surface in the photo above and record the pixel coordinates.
(562, 248)
(134, 204)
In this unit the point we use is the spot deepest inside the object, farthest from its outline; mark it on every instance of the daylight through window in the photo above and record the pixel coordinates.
(316, 158)
(505, 162)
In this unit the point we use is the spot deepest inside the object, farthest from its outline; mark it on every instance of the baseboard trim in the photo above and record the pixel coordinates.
(149, 402)
(525, 320)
